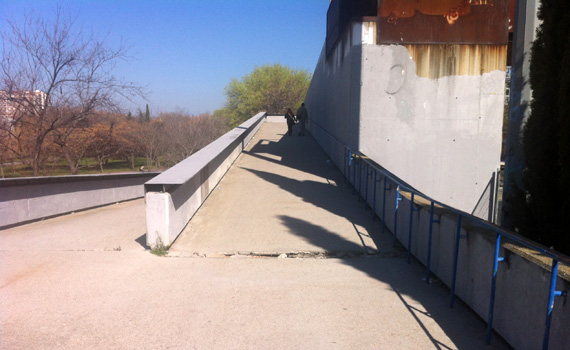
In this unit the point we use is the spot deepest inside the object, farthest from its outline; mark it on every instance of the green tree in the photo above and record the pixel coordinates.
(270, 88)
(546, 139)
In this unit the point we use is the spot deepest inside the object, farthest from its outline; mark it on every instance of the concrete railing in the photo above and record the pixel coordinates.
(174, 196)
(32, 198)
(517, 299)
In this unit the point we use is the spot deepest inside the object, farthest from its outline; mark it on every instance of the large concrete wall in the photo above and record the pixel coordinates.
(432, 115)
(27, 199)
(436, 127)
(441, 134)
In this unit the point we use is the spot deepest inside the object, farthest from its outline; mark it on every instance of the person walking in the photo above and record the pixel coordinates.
(303, 118)
(290, 121)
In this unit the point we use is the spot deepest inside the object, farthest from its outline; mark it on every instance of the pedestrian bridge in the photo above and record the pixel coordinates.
(287, 250)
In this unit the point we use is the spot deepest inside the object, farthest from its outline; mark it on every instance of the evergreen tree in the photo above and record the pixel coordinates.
(546, 139)
(147, 114)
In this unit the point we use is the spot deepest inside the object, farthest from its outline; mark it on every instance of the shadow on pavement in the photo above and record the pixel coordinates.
(406, 281)
(305, 155)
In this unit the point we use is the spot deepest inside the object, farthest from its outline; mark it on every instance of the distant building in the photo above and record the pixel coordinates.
(11, 103)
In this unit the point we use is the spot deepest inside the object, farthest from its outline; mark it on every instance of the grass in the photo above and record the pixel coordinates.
(160, 249)
(88, 166)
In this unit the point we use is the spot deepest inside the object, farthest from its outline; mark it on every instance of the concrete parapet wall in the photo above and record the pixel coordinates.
(27, 199)
(173, 197)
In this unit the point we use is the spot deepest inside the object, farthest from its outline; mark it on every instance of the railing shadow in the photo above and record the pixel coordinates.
(406, 281)
(304, 154)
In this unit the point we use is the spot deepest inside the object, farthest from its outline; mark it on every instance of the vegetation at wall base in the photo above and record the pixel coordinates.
(542, 207)
(160, 249)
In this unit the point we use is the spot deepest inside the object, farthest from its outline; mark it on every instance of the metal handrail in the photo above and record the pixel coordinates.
(555, 256)
(500, 232)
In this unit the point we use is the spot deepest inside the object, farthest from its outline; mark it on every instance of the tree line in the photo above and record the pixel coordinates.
(65, 102)
(163, 140)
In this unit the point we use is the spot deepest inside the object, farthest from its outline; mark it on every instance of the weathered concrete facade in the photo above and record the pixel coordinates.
(430, 113)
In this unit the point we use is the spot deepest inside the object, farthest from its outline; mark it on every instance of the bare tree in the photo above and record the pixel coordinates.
(54, 77)
(185, 134)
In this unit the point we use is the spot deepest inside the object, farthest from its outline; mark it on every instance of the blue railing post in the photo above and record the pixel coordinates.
(374, 204)
(350, 167)
(412, 209)
(398, 199)
(344, 165)
(359, 178)
(496, 261)
(353, 174)
(551, 294)
(456, 255)
(384, 205)
(367, 177)
(431, 221)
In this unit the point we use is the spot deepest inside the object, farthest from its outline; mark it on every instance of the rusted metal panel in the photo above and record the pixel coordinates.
(444, 21)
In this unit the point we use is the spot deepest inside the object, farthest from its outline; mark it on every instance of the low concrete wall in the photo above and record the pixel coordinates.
(173, 197)
(32, 198)
(275, 118)
(523, 279)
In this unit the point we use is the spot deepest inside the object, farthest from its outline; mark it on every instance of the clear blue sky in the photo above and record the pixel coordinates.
(186, 51)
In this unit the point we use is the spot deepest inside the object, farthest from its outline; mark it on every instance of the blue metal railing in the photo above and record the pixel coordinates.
(351, 156)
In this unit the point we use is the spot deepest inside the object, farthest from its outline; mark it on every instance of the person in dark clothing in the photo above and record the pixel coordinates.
(303, 118)
(290, 121)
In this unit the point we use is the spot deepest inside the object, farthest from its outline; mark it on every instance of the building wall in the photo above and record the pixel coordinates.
(430, 114)
(433, 123)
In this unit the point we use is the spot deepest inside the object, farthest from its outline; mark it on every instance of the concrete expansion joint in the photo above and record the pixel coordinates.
(292, 255)
(117, 249)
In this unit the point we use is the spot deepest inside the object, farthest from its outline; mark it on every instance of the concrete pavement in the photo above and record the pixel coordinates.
(86, 281)
(282, 195)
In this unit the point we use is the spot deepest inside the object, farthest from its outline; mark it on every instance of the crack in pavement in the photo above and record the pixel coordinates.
(289, 255)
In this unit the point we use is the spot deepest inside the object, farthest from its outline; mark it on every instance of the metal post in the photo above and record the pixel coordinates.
(344, 165)
(384, 206)
(359, 178)
(350, 167)
(353, 177)
(456, 255)
(374, 204)
(429, 241)
(552, 293)
(410, 227)
(496, 261)
(367, 169)
(398, 199)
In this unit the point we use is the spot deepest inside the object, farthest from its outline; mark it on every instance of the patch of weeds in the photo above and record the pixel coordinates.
(160, 249)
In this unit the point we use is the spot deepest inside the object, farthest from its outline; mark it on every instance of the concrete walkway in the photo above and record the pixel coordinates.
(85, 280)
